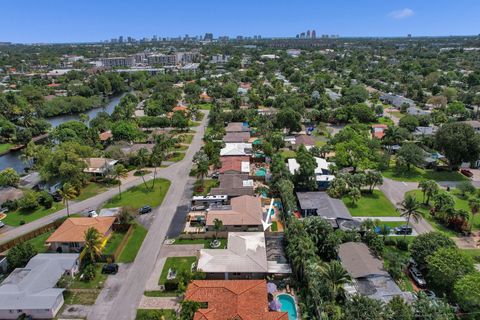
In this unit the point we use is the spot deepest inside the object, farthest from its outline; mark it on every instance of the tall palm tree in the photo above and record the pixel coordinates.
(429, 189)
(409, 208)
(156, 159)
(29, 153)
(120, 172)
(335, 276)
(142, 160)
(93, 244)
(202, 170)
(67, 192)
(392, 136)
(474, 205)
(217, 226)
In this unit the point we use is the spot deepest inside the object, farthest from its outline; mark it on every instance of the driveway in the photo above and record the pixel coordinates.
(127, 300)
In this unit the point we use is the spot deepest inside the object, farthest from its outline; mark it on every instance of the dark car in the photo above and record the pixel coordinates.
(466, 173)
(145, 209)
(403, 230)
(111, 268)
(417, 276)
(57, 197)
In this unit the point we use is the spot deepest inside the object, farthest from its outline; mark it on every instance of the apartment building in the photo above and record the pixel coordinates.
(118, 61)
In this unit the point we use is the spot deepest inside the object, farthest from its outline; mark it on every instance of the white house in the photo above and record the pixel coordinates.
(322, 171)
(236, 149)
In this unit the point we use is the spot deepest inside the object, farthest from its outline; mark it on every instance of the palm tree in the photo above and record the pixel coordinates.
(120, 172)
(29, 153)
(217, 226)
(142, 160)
(409, 208)
(429, 189)
(93, 244)
(202, 171)
(335, 276)
(474, 205)
(67, 192)
(354, 194)
(392, 136)
(156, 159)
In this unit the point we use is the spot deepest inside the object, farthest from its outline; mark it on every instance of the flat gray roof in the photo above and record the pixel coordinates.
(327, 207)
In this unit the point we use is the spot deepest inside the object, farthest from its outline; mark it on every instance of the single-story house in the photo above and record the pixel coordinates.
(369, 277)
(70, 236)
(100, 166)
(232, 299)
(236, 149)
(319, 203)
(10, 194)
(134, 148)
(378, 130)
(233, 185)
(244, 258)
(243, 214)
(205, 97)
(415, 111)
(105, 136)
(32, 290)
(236, 165)
(232, 137)
(322, 171)
(425, 131)
(307, 141)
(475, 124)
(396, 100)
(237, 127)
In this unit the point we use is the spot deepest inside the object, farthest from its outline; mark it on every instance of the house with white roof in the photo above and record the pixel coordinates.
(236, 149)
(244, 258)
(32, 290)
(322, 171)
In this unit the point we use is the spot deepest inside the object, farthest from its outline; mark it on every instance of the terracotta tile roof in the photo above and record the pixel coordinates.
(232, 299)
(73, 229)
(104, 136)
(305, 140)
(379, 130)
(232, 164)
(180, 108)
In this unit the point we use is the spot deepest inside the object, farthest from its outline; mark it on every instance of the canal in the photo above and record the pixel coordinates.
(12, 159)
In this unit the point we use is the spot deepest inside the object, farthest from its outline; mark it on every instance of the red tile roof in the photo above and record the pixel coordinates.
(232, 299)
(232, 164)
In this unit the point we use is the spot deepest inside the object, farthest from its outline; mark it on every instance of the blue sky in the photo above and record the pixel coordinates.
(91, 20)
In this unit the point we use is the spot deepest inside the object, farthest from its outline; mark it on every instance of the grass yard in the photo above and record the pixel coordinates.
(288, 154)
(474, 253)
(208, 184)
(177, 263)
(76, 283)
(392, 224)
(176, 156)
(187, 138)
(419, 174)
(205, 106)
(460, 203)
(83, 297)
(133, 244)
(151, 314)
(158, 293)
(92, 189)
(193, 123)
(371, 205)
(15, 217)
(5, 147)
(274, 226)
(140, 195)
(39, 242)
(113, 242)
(205, 242)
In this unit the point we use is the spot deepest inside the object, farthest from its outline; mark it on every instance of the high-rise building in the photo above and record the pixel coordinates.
(308, 33)
(314, 34)
(302, 35)
(120, 39)
(208, 36)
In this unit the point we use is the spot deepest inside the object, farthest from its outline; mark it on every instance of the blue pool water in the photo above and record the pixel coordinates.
(261, 172)
(288, 305)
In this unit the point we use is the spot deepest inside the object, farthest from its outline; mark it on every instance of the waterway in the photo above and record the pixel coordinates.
(12, 159)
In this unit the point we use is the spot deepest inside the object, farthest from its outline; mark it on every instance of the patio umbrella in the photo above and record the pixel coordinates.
(272, 287)
(275, 305)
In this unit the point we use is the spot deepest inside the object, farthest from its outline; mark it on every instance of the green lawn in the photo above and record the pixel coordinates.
(151, 314)
(77, 283)
(13, 218)
(140, 195)
(39, 242)
(205, 106)
(460, 203)
(133, 244)
(474, 253)
(92, 189)
(288, 154)
(208, 184)
(83, 297)
(158, 293)
(177, 263)
(193, 123)
(419, 174)
(187, 138)
(371, 205)
(274, 226)
(385, 120)
(176, 156)
(205, 242)
(113, 242)
(4, 147)
(392, 224)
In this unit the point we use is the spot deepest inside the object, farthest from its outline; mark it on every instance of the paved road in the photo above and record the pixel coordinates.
(128, 298)
(395, 191)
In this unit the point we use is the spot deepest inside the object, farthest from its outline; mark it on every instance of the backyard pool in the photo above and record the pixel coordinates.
(288, 305)
(261, 172)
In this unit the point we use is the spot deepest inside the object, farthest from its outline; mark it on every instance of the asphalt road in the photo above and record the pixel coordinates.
(126, 301)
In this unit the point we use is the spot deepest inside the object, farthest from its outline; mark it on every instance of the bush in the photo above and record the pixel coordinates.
(22, 222)
(426, 244)
(19, 255)
(29, 201)
(171, 285)
(402, 244)
(89, 273)
(11, 205)
(45, 199)
(390, 241)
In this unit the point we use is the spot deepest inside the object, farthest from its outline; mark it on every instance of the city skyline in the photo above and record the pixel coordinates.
(57, 22)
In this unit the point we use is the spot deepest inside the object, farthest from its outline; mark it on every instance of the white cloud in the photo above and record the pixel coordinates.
(401, 14)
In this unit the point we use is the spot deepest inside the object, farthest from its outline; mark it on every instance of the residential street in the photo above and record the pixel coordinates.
(126, 301)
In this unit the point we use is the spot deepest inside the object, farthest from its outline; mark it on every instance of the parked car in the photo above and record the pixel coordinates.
(417, 276)
(403, 230)
(145, 209)
(111, 268)
(198, 208)
(429, 293)
(3, 210)
(466, 173)
(56, 197)
(92, 214)
(2, 224)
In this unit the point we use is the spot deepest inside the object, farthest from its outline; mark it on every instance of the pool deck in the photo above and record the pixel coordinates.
(292, 294)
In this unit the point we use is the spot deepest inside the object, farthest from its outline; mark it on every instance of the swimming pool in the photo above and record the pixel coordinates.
(288, 305)
(261, 172)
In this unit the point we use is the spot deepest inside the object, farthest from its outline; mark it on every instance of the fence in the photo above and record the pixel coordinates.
(118, 228)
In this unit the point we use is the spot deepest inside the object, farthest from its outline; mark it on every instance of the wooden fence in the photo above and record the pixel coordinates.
(118, 228)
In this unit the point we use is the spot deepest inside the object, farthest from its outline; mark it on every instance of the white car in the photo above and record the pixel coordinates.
(92, 214)
(2, 224)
